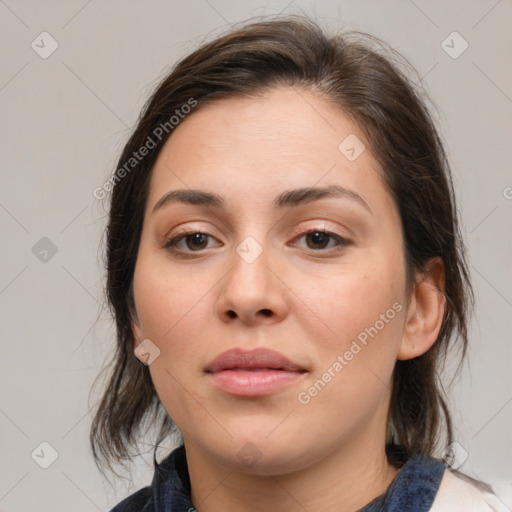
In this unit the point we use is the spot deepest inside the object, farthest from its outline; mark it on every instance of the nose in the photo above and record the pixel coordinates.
(253, 291)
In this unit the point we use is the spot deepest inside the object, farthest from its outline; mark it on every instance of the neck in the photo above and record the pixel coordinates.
(345, 480)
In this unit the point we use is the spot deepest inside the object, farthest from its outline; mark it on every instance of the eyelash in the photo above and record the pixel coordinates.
(171, 243)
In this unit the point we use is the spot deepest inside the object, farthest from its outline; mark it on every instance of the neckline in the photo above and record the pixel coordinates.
(414, 487)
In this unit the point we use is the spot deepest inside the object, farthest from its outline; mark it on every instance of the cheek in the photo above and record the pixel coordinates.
(174, 312)
(361, 315)
(355, 361)
(172, 307)
(347, 303)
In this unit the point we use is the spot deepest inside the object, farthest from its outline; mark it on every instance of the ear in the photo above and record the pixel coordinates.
(425, 313)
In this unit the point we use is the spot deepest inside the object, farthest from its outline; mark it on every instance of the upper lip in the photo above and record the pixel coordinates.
(246, 360)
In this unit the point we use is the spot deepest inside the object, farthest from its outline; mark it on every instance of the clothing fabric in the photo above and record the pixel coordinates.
(423, 484)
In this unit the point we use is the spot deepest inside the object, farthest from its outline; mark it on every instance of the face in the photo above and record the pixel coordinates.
(317, 278)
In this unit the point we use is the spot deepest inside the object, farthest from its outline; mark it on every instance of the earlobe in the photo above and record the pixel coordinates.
(425, 313)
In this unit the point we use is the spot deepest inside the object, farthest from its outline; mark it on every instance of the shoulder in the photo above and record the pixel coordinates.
(139, 501)
(460, 492)
(169, 489)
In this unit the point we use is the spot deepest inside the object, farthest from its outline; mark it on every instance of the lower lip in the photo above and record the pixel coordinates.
(253, 383)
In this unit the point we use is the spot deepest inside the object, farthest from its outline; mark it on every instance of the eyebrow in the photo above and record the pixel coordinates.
(287, 199)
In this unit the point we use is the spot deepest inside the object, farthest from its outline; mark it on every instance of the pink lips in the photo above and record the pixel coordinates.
(255, 373)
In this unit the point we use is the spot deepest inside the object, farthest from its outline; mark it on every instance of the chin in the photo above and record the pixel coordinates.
(260, 455)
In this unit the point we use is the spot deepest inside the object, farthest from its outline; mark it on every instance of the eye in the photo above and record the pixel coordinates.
(188, 241)
(320, 239)
(196, 241)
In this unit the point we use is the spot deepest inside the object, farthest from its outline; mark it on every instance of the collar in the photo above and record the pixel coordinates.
(414, 488)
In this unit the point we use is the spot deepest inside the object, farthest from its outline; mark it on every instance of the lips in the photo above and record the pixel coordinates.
(259, 359)
(255, 373)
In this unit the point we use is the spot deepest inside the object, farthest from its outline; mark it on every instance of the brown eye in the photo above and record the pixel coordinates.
(196, 241)
(188, 242)
(319, 240)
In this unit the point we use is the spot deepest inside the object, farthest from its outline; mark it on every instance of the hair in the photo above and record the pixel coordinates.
(352, 72)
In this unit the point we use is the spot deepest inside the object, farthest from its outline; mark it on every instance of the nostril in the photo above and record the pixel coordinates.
(231, 314)
(266, 312)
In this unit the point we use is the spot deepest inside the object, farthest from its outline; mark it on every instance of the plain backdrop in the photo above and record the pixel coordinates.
(64, 119)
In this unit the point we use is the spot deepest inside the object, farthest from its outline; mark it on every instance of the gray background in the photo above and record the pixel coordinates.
(64, 120)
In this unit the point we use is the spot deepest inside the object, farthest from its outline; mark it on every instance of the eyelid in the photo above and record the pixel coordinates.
(188, 228)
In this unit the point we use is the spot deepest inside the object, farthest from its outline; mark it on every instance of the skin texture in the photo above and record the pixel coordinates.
(306, 302)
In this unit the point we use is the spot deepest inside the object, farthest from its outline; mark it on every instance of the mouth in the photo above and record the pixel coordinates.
(255, 373)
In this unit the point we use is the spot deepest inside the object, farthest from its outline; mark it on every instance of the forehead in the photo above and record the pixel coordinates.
(283, 138)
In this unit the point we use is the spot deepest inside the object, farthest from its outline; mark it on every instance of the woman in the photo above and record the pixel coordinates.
(286, 274)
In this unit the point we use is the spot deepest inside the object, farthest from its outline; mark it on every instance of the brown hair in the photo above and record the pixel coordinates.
(352, 72)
